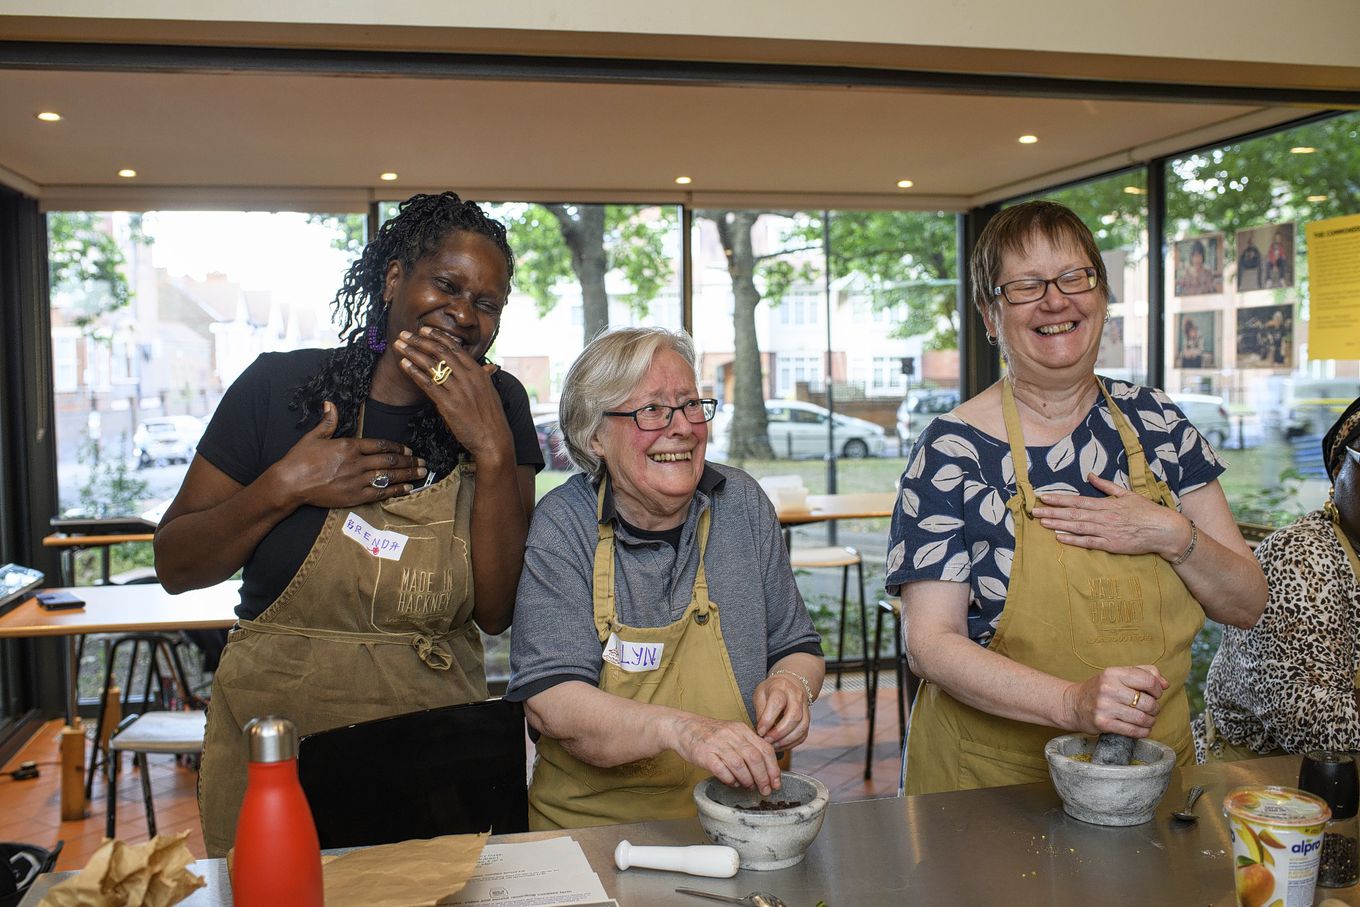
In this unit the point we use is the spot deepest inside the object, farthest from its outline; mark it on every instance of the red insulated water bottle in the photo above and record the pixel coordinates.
(278, 858)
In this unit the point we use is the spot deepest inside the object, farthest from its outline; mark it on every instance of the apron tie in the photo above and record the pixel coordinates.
(434, 651)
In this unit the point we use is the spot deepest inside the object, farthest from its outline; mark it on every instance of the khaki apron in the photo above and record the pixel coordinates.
(1220, 749)
(1070, 612)
(693, 674)
(355, 636)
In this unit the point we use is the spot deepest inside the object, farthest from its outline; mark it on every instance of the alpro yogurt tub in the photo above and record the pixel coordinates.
(1277, 844)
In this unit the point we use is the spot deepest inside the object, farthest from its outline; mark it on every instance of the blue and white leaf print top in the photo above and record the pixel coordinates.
(951, 523)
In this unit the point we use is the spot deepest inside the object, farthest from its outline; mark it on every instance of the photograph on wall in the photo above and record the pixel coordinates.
(1265, 337)
(1199, 265)
(1112, 351)
(1197, 340)
(1265, 257)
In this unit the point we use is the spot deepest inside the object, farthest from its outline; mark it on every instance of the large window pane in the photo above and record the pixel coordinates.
(1237, 326)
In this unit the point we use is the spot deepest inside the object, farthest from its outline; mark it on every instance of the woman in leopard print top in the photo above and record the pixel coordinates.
(1290, 683)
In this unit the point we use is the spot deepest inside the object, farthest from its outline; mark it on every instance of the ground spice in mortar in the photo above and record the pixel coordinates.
(770, 806)
(1340, 861)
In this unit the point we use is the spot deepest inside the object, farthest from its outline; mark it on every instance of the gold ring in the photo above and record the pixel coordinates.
(1137, 695)
(440, 373)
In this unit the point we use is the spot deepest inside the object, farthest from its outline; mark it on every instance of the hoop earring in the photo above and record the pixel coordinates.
(378, 342)
(991, 338)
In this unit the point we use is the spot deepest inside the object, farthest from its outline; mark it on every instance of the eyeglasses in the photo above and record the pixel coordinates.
(656, 416)
(1032, 289)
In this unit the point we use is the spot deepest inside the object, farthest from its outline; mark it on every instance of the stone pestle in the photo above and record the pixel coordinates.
(1112, 749)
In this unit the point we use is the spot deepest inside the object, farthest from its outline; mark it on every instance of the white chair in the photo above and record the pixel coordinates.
(178, 732)
(844, 558)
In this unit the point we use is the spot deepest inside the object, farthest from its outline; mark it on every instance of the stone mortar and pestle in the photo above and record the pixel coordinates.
(1113, 788)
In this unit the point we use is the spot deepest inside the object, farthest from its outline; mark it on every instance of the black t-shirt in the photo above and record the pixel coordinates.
(254, 427)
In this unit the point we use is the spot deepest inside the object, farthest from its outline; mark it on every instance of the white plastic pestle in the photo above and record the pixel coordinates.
(712, 860)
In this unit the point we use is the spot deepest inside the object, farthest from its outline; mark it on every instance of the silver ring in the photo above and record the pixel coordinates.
(381, 480)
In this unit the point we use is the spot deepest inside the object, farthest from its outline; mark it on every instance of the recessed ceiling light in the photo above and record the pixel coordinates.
(1318, 198)
(1134, 190)
(49, 116)
(127, 173)
(1028, 139)
(1302, 149)
(683, 180)
(388, 176)
(905, 184)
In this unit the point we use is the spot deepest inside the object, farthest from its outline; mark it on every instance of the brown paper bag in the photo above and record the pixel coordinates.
(406, 874)
(153, 874)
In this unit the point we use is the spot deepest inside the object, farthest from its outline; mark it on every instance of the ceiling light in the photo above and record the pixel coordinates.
(1028, 139)
(683, 180)
(905, 184)
(1302, 149)
(49, 116)
(1318, 198)
(388, 176)
(127, 173)
(1134, 190)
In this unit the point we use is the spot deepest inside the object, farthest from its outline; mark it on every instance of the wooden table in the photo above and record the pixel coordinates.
(113, 609)
(70, 544)
(1001, 845)
(824, 507)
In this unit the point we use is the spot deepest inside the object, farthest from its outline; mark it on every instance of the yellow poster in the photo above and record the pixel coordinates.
(1334, 288)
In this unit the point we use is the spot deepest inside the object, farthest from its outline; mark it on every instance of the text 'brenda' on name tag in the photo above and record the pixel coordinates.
(633, 656)
(382, 543)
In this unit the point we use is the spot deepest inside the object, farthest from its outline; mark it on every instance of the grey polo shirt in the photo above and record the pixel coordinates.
(749, 578)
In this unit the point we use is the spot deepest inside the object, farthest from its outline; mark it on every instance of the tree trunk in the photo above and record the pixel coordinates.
(748, 435)
(583, 233)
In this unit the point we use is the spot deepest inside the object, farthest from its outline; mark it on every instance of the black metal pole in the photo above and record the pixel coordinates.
(1156, 227)
(830, 385)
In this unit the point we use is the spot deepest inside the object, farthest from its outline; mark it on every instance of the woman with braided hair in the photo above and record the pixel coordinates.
(341, 482)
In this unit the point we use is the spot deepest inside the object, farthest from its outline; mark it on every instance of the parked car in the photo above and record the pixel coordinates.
(919, 408)
(797, 429)
(166, 439)
(1208, 414)
(550, 441)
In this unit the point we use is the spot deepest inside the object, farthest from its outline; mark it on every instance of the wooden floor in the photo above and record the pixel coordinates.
(30, 811)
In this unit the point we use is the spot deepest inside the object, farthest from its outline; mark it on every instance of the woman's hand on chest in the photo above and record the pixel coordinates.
(325, 471)
(1122, 522)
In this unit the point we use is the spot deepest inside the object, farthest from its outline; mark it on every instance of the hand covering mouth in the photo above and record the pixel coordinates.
(671, 457)
(1049, 330)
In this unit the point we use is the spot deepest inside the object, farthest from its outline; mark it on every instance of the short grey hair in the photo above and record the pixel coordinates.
(606, 373)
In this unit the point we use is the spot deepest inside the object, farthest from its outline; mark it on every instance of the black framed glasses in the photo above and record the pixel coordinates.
(1032, 289)
(656, 416)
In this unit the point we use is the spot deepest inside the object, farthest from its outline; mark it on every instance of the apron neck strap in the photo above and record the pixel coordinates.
(604, 604)
(1141, 479)
(1016, 438)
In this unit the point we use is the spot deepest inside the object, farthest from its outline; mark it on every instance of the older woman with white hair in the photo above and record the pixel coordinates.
(659, 637)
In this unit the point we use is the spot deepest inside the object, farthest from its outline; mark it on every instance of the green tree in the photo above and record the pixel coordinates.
(557, 242)
(349, 231)
(84, 256)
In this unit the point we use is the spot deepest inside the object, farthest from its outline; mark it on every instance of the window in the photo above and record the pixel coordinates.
(1241, 359)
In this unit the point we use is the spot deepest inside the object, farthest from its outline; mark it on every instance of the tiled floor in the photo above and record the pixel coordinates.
(30, 810)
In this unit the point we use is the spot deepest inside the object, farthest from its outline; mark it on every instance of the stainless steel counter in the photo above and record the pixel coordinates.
(1004, 846)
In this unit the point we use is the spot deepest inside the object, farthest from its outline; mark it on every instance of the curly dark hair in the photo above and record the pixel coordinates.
(419, 229)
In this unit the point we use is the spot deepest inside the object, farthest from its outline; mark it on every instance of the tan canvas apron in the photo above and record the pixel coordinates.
(693, 674)
(1069, 612)
(353, 637)
(1220, 749)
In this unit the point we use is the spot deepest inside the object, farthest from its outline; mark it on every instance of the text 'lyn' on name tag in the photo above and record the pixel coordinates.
(379, 542)
(633, 656)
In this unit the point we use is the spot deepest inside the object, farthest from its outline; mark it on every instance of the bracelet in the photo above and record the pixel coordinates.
(807, 687)
(1189, 549)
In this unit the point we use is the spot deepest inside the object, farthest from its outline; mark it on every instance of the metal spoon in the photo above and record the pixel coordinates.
(754, 899)
(1185, 815)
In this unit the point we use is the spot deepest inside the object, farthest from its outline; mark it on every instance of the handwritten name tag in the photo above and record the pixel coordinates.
(379, 542)
(633, 656)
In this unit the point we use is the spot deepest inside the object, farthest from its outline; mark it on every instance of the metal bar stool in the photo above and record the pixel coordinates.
(844, 558)
(179, 732)
(163, 661)
(907, 682)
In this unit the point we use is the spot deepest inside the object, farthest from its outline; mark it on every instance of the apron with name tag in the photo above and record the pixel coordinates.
(376, 622)
(683, 665)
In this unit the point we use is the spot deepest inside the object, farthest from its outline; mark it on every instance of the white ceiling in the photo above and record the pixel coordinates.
(293, 140)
